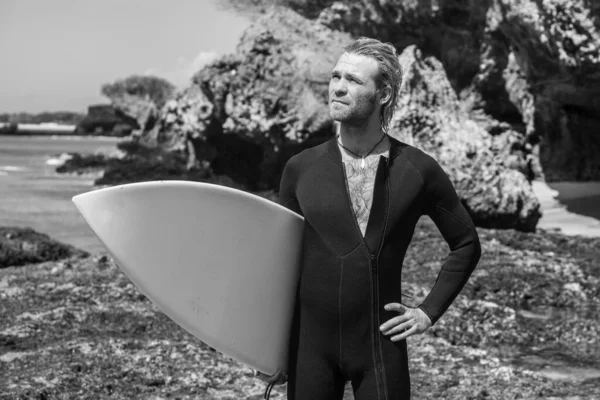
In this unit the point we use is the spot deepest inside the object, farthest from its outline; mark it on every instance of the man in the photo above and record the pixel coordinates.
(361, 194)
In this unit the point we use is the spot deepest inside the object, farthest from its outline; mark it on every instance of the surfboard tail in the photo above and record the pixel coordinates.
(221, 263)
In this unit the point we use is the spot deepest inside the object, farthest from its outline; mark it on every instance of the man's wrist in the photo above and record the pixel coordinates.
(427, 314)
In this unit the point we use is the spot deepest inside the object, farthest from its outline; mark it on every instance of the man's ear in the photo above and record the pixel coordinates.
(385, 93)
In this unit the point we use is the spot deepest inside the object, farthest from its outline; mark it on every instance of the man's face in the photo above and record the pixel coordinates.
(352, 88)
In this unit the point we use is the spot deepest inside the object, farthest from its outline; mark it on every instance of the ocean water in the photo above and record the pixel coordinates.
(33, 195)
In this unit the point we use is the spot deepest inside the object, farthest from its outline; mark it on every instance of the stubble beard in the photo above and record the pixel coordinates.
(356, 115)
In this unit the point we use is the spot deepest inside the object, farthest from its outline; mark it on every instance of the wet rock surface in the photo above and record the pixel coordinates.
(523, 327)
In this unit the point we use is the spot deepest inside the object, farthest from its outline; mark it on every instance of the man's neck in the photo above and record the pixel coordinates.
(359, 138)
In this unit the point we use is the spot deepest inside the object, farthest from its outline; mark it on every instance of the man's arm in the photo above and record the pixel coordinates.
(455, 225)
(287, 198)
(287, 187)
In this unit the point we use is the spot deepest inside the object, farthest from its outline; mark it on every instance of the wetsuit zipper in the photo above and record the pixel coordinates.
(377, 356)
(375, 257)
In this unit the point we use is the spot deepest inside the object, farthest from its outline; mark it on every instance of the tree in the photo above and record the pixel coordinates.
(159, 90)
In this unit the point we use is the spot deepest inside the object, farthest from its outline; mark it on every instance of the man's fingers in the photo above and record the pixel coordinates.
(400, 327)
(393, 322)
(405, 334)
(396, 307)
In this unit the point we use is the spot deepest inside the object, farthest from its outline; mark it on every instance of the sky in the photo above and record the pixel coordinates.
(56, 54)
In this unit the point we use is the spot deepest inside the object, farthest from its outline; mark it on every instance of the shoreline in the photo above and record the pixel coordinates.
(64, 136)
(556, 215)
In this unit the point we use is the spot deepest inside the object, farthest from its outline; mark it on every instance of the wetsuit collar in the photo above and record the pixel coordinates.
(396, 147)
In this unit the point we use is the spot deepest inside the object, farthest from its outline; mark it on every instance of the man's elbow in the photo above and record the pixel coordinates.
(475, 249)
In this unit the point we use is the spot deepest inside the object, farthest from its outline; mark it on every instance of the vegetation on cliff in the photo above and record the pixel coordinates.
(60, 117)
(106, 120)
(158, 90)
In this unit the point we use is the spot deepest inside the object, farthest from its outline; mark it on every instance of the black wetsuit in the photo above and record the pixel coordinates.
(346, 278)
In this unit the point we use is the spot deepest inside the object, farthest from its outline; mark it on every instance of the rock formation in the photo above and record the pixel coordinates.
(486, 173)
(554, 51)
(533, 64)
(274, 92)
(247, 113)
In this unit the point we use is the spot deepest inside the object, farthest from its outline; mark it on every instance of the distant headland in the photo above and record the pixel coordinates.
(100, 120)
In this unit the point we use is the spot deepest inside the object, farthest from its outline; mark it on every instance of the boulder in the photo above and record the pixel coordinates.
(269, 100)
(487, 175)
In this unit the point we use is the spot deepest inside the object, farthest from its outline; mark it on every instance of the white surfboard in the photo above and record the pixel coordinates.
(220, 262)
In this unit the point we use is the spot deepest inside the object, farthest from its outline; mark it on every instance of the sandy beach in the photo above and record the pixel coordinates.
(557, 198)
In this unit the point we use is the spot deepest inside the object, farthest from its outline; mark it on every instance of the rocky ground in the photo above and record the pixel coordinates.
(78, 328)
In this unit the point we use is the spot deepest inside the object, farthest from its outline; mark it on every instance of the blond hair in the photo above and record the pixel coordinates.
(390, 71)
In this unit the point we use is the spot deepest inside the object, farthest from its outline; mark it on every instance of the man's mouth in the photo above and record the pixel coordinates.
(337, 101)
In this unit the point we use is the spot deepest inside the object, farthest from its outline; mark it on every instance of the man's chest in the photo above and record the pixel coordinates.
(360, 181)
(337, 199)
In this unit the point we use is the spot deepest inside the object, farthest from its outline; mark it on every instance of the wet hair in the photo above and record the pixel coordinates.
(390, 71)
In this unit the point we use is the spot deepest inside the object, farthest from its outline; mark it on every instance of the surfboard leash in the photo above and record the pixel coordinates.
(268, 390)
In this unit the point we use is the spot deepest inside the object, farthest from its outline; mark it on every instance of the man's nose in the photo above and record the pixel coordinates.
(340, 87)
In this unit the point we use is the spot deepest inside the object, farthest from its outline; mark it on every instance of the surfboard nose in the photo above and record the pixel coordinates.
(85, 203)
(93, 207)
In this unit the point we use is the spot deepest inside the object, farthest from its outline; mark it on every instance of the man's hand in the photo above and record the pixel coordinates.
(279, 378)
(411, 321)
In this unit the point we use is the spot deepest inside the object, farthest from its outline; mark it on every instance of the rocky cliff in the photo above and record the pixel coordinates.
(246, 114)
(532, 63)
(488, 171)
(499, 91)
